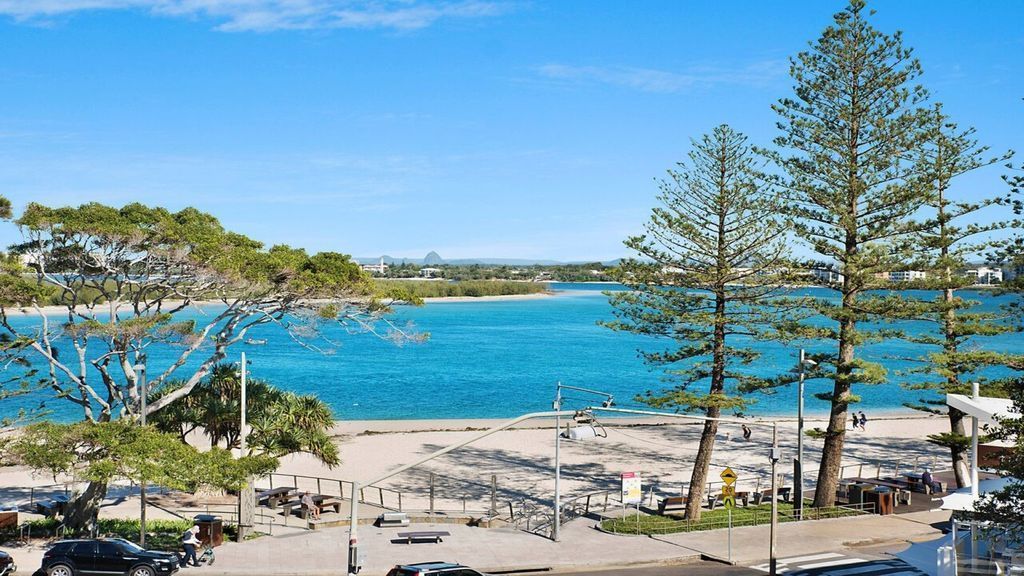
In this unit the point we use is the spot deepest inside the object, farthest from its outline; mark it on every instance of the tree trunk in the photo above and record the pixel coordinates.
(832, 452)
(699, 476)
(83, 510)
(958, 453)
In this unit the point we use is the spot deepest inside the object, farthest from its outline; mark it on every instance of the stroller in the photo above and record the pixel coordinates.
(207, 556)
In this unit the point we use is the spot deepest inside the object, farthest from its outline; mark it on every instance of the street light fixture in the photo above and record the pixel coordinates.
(557, 406)
(140, 380)
(804, 363)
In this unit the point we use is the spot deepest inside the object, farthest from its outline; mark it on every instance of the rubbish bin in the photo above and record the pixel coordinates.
(211, 529)
(882, 498)
(857, 493)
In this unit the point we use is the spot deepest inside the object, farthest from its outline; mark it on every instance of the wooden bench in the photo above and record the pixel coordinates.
(274, 496)
(427, 535)
(671, 504)
(386, 519)
(766, 495)
(326, 503)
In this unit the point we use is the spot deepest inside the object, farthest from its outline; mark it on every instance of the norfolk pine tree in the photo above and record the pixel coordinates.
(943, 246)
(848, 139)
(708, 262)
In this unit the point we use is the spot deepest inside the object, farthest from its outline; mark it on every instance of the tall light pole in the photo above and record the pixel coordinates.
(774, 456)
(140, 380)
(247, 497)
(799, 503)
(557, 406)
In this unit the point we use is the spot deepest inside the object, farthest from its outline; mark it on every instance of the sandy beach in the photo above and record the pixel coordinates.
(521, 459)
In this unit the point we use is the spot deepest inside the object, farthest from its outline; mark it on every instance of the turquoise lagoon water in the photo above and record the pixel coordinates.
(491, 359)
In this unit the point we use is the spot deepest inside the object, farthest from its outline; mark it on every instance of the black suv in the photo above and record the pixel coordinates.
(433, 569)
(106, 556)
(7, 565)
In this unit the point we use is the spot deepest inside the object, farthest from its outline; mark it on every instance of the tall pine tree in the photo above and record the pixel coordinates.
(709, 260)
(848, 138)
(944, 245)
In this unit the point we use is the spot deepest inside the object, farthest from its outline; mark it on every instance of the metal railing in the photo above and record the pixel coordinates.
(336, 487)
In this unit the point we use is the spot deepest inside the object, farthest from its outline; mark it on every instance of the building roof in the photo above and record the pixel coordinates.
(986, 409)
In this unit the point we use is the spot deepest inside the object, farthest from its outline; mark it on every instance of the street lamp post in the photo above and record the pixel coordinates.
(247, 497)
(140, 379)
(799, 503)
(557, 405)
(774, 457)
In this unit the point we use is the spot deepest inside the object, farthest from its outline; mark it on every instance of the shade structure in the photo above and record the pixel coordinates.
(962, 499)
(924, 555)
(986, 409)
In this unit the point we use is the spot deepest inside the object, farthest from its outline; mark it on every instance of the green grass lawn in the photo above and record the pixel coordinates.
(715, 519)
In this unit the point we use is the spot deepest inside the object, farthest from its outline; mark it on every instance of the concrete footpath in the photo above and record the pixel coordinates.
(581, 546)
(323, 552)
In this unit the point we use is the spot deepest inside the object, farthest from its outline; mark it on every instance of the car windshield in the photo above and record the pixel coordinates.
(129, 546)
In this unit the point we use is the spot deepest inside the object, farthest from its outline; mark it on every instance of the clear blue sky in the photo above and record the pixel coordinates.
(474, 128)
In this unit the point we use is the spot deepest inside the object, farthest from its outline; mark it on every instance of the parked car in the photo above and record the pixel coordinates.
(7, 565)
(106, 556)
(432, 569)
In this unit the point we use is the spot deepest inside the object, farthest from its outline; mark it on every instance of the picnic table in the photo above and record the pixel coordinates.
(320, 500)
(274, 496)
(425, 535)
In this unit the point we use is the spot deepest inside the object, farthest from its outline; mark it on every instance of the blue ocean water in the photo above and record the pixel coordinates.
(492, 359)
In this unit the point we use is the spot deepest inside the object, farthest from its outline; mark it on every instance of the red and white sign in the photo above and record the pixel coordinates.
(632, 488)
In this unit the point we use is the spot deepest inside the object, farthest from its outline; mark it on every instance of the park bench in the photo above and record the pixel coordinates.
(671, 504)
(426, 535)
(274, 496)
(393, 519)
(766, 495)
(330, 503)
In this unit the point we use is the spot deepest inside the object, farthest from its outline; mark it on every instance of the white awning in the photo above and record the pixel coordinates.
(962, 500)
(984, 408)
(924, 555)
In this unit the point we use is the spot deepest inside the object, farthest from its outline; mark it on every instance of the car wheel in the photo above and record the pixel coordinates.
(60, 570)
(142, 571)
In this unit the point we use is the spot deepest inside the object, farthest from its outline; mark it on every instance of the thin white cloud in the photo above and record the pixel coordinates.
(271, 15)
(663, 81)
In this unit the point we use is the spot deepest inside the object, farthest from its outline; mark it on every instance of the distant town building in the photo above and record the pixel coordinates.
(907, 275)
(379, 268)
(827, 275)
(984, 275)
(429, 272)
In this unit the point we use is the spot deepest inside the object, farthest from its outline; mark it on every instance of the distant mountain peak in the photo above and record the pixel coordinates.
(432, 258)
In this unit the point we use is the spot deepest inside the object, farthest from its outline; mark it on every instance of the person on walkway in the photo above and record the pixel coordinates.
(309, 504)
(926, 480)
(746, 433)
(863, 421)
(856, 421)
(190, 541)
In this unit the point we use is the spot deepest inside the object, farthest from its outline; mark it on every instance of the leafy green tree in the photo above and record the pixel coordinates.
(943, 244)
(708, 263)
(107, 451)
(279, 422)
(122, 275)
(846, 146)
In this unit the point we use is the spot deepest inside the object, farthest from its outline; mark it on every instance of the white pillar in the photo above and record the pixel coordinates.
(974, 447)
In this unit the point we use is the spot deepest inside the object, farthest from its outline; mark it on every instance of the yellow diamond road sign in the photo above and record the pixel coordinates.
(728, 476)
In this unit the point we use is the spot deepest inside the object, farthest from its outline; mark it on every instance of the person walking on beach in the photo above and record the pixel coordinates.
(856, 421)
(746, 433)
(863, 421)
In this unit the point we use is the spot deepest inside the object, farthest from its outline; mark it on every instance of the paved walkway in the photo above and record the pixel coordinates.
(322, 552)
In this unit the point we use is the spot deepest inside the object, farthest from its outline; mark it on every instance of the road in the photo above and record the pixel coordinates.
(693, 569)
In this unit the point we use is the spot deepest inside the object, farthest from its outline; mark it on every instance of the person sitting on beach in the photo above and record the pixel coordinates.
(309, 504)
(746, 433)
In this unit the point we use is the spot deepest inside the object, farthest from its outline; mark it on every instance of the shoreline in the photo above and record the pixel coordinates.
(396, 426)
